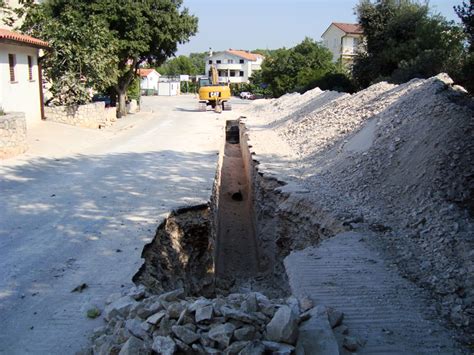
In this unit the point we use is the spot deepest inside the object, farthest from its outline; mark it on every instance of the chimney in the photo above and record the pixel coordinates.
(210, 52)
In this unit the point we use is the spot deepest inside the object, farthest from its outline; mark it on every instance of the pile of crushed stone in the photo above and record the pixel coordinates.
(397, 160)
(250, 323)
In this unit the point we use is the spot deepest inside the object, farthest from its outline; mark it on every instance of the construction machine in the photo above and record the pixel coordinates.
(214, 94)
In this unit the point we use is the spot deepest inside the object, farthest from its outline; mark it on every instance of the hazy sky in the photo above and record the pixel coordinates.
(251, 24)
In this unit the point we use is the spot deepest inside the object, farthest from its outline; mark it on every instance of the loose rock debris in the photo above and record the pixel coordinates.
(139, 323)
(394, 159)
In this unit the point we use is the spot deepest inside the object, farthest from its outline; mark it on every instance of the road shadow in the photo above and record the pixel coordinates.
(183, 109)
(89, 207)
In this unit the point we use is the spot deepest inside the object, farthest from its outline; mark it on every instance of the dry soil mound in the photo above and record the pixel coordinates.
(400, 161)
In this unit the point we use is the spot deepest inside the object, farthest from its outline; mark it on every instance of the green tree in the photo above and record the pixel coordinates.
(466, 14)
(177, 66)
(145, 31)
(192, 65)
(295, 69)
(404, 41)
(82, 54)
(199, 63)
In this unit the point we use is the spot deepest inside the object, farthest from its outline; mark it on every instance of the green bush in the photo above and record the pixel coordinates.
(133, 92)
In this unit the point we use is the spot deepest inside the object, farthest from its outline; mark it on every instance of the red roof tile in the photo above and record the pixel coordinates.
(244, 54)
(7, 35)
(145, 72)
(352, 28)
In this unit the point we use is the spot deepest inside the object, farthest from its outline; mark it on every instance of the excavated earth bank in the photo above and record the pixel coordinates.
(395, 161)
(230, 251)
(260, 221)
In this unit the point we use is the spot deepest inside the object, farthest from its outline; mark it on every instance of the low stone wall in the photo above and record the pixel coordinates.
(12, 134)
(93, 115)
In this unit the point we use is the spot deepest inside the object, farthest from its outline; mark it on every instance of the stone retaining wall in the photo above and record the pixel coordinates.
(12, 134)
(93, 115)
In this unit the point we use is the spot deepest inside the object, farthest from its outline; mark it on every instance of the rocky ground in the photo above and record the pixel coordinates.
(395, 160)
(141, 323)
(392, 163)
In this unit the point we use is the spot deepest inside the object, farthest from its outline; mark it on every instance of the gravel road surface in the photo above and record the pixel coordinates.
(78, 207)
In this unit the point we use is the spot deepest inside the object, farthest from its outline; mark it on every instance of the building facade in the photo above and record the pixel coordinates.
(20, 75)
(234, 66)
(149, 79)
(344, 40)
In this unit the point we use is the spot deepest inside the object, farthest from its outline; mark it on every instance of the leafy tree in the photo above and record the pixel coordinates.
(6, 14)
(198, 60)
(82, 55)
(404, 41)
(295, 69)
(177, 66)
(466, 14)
(192, 65)
(145, 31)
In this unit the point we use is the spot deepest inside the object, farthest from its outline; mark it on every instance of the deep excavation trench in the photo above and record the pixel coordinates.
(238, 241)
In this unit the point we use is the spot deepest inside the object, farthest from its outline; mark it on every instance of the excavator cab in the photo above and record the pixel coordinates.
(213, 94)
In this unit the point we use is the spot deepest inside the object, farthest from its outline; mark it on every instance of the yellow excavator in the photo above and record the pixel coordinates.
(213, 94)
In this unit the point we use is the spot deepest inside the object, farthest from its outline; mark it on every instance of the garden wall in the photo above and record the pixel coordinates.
(93, 115)
(12, 134)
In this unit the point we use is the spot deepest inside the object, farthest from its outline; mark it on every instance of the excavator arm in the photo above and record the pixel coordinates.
(214, 75)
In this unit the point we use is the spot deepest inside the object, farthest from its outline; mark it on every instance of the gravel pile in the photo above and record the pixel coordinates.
(250, 323)
(398, 161)
(275, 109)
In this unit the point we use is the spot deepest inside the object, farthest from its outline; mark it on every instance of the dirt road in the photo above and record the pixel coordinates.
(80, 205)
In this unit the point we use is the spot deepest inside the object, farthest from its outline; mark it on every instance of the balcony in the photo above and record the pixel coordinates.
(226, 66)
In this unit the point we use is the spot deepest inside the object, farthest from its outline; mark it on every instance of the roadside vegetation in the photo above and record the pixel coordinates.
(298, 69)
(194, 64)
(100, 44)
(404, 40)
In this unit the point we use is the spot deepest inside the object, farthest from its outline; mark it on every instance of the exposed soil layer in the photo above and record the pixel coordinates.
(180, 254)
(396, 160)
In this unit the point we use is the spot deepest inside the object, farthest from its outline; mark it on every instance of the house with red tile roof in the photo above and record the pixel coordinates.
(344, 40)
(20, 75)
(234, 65)
(149, 79)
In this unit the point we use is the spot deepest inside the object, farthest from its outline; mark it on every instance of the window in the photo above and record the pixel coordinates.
(241, 73)
(356, 43)
(30, 68)
(12, 63)
(232, 73)
(241, 61)
(230, 61)
(210, 62)
(218, 61)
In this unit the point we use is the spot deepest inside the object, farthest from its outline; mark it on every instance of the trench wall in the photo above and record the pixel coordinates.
(284, 220)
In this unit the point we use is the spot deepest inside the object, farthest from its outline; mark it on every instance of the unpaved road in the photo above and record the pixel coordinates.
(80, 205)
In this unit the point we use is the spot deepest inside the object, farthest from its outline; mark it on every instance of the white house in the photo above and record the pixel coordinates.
(149, 79)
(234, 66)
(20, 75)
(343, 40)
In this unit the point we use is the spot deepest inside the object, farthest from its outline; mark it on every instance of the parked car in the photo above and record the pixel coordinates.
(245, 95)
(103, 98)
